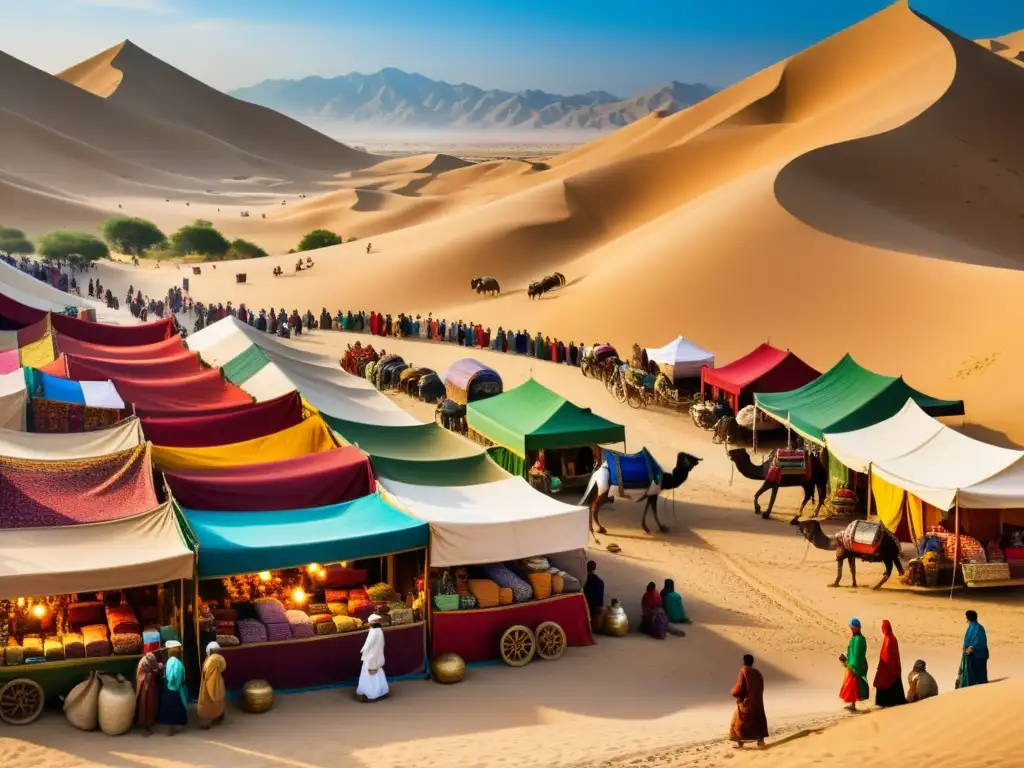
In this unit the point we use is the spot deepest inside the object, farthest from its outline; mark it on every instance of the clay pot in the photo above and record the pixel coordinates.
(448, 668)
(616, 623)
(257, 696)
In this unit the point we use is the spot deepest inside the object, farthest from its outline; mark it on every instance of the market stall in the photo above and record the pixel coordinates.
(765, 369)
(955, 497)
(468, 380)
(492, 595)
(81, 598)
(531, 423)
(246, 422)
(286, 593)
(680, 360)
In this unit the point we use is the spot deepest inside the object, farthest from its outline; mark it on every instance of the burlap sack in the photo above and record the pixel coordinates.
(81, 706)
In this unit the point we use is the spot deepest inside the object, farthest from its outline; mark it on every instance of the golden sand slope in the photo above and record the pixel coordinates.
(1010, 47)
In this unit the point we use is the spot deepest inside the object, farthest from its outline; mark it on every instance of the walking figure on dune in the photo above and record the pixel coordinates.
(749, 722)
(855, 662)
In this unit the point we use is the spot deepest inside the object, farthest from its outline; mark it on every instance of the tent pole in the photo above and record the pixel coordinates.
(755, 428)
(868, 516)
(956, 543)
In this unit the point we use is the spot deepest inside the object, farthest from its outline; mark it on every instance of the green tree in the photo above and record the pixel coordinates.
(132, 235)
(318, 238)
(243, 249)
(74, 246)
(199, 237)
(14, 241)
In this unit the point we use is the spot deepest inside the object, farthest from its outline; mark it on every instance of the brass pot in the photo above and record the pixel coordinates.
(257, 696)
(448, 668)
(616, 623)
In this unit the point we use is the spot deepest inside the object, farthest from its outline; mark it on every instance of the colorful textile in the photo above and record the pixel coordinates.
(278, 631)
(632, 470)
(38, 353)
(166, 348)
(240, 369)
(126, 643)
(147, 689)
(181, 363)
(314, 480)
(237, 425)
(504, 577)
(270, 610)
(113, 335)
(98, 394)
(300, 623)
(57, 417)
(29, 445)
(308, 437)
(14, 399)
(9, 361)
(212, 697)
(251, 631)
(889, 670)
(37, 494)
(855, 679)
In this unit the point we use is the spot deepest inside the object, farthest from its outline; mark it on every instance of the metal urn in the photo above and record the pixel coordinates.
(448, 668)
(616, 623)
(257, 696)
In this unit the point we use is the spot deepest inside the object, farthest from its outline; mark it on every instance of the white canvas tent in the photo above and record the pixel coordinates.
(39, 446)
(492, 522)
(934, 462)
(27, 290)
(685, 357)
(132, 552)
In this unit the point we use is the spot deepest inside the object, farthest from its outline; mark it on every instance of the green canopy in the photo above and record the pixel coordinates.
(848, 397)
(531, 417)
(421, 454)
(234, 543)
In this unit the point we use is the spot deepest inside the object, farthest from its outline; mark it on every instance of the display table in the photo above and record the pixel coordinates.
(474, 635)
(58, 677)
(322, 661)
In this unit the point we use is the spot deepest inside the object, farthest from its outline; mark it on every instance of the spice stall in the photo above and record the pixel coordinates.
(531, 422)
(83, 598)
(495, 592)
(286, 593)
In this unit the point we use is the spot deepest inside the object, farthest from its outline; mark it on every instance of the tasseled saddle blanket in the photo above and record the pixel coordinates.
(863, 537)
(632, 471)
(791, 461)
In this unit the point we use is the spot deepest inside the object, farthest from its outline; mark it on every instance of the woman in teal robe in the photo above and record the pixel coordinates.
(855, 660)
(974, 661)
(672, 603)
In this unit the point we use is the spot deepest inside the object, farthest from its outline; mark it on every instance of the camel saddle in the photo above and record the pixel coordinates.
(862, 537)
(790, 461)
(631, 471)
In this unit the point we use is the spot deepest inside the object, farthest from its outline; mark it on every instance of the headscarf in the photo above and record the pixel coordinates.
(651, 599)
(174, 675)
(670, 587)
(212, 647)
(890, 670)
(855, 623)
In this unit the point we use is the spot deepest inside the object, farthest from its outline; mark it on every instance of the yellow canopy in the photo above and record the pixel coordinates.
(306, 437)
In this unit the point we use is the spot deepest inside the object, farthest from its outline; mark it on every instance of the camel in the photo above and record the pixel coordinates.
(488, 285)
(600, 482)
(817, 479)
(549, 283)
(888, 550)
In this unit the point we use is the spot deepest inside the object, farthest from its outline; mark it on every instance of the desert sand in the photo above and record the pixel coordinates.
(864, 196)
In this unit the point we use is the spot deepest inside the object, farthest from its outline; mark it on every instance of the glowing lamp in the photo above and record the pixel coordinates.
(312, 568)
(38, 610)
(21, 602)
(264, 575)
(299, 595)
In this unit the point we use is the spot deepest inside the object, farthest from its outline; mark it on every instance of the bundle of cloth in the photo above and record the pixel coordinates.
(121, 620)
(299, 624)
(274, 617)
(97, 640)
(251, 631)
(503, 576)
(74, 645)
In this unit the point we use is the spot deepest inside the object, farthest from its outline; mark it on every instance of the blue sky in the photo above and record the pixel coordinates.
(565, 46)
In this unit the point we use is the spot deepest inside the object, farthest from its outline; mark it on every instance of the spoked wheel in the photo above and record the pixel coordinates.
(21, 701)
(635, 398)
(550, 641)
(618, 391)
(517, 646)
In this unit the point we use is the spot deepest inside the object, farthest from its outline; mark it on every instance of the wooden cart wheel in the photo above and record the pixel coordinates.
(21, 701)
(517, 646)
(550, 641)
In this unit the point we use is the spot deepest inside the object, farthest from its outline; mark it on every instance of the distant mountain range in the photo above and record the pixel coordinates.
(395, 98)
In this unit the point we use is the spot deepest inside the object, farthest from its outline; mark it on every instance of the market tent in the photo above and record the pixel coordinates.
(908, 430)
(44, 296)
(304, 481)
(203, 391)
(83, 445)
(119, 554)
(424, 454)
(98, 394)
(167, 348)
(235, 543)
(181, 363)
(13, 400)
(766, 369)
(38, 493)
(114, 335)
(493, 522)
(532, 418)
(466, 374)
(684, 358)
(848, 397)
(245, 423)
(307, 437)
(228, 337)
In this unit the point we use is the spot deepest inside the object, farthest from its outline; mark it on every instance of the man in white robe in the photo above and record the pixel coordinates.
(373, 684)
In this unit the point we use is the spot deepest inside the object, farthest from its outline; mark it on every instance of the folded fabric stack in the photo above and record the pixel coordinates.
(33, 646)
(323, 624)
(278, 631)
(485, 591)
(227, 641)
(503, 576)
(505, 596)
(121, 620)
(96, 639)
(224, 627)
(251, 631)
(317, 608)
(270, 610)
(150, 640)
(81, 614)
(791, 461)
(14, 654)
(346, 623)
(338, 609)
(74, 645)
(299, 623)
(53, 649)
(541, 583)
(126, 643)
(336, 595)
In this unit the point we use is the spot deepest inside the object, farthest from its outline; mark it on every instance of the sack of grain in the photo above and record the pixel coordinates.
(81, 706)
(116, 705)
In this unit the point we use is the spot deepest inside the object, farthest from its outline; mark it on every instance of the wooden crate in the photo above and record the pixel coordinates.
(976, 574)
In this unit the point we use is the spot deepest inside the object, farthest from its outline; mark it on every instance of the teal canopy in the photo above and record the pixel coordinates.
(232, 543)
